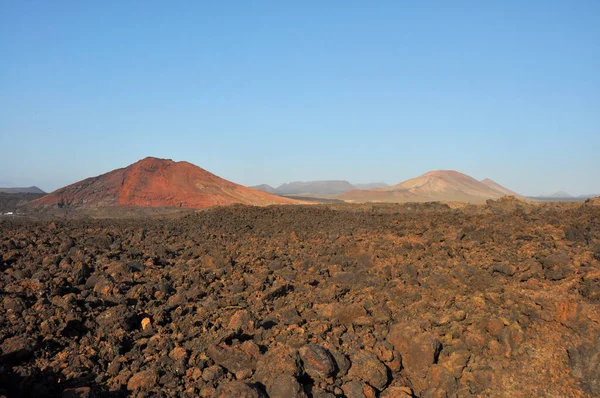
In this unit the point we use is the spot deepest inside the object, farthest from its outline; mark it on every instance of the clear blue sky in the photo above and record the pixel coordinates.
(269, 92)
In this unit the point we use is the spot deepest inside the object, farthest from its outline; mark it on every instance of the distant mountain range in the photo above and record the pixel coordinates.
(438, 185)
(371, 185)
(324, 187)
(21, 190)
(330, 187)
(562, 196)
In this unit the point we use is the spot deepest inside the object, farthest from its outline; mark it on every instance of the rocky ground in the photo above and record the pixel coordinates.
(500, 300)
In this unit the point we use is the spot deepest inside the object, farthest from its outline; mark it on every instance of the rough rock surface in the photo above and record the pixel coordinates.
(305, 301)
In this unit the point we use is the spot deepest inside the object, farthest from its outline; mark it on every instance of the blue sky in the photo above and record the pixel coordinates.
(271, 92)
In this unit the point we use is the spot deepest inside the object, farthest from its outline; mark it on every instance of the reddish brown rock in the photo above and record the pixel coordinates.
(356, 389)
(556, 266)
(278, 360)
(240, 360)
(419, 349)
(242, 321)
(143, 380)
(367, 367)
(238, 389)
(317, 361)
(441, 378)
(284, 386)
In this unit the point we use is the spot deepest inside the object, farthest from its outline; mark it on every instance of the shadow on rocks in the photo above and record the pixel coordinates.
(47, 383)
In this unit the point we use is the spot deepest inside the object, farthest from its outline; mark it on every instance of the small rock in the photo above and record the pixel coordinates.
(178, 354)
(80, 392)
(318, 362)
(278, 291)
(419, 351)
(342, 363)
(146, 323)
(503, 269)
(242, 321)
(352, 314)
(143, 380)
(494, 326)
(367, 367)
(284, 386)
(440, 378)
(356, 389)
(556, 266)
(240, 360)
(278, 360)
(17, 349)
(213, 373)
(397, 392)
(238, 389)
(456, 362)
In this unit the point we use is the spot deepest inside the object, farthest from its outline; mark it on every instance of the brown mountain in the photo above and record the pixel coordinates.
(153, 182)
(494, 185)
(439, 185)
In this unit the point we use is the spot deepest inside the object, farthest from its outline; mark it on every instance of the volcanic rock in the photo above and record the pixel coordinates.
(556, 266)
(284, 386)
(367, 367)
(325, 300)
(143, 380)
(318, 362)
(419, 350)
(238, 389)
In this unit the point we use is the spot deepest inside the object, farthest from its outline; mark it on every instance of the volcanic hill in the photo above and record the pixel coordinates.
(153, 182)
(438, 185)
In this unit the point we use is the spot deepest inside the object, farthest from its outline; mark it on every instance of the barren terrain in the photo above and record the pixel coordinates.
(499, 300)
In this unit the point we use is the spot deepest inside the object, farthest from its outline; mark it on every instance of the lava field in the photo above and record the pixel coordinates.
(498, 300)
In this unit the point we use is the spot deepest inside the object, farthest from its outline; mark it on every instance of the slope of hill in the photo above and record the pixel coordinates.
(439, 185)
(371, 185)
(264, 187)
(153, 182)
(494, 185)
(33, 189)
(332, 187)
